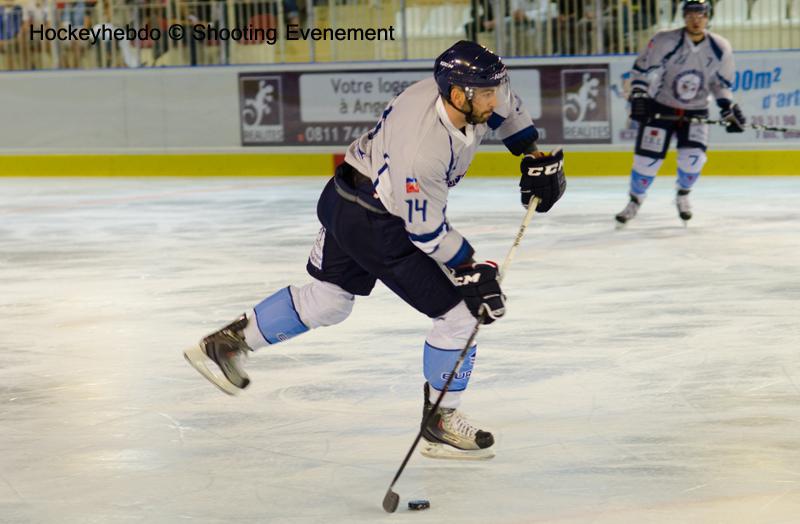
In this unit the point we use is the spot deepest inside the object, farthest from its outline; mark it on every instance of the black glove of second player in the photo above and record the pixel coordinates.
(542, 177)
(477, 282)
(640, 105)
(733, 117)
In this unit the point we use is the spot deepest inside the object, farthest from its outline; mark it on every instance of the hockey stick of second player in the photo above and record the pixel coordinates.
(724, 123)
(392, 499)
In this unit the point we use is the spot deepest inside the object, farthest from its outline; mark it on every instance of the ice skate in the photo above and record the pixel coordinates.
(448, 435)
(682, 203)
(630, 210)
(226, 348)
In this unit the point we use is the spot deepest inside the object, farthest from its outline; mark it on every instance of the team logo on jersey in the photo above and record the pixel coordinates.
(687, 84)
(261, 109)
(412, 186)
(585, 113)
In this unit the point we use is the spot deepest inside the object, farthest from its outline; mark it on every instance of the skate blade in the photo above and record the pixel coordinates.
(436, 450)
(198, 359)
(619, 225)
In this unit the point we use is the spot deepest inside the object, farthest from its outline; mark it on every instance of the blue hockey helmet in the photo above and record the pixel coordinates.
(468, 64)
(697, 6)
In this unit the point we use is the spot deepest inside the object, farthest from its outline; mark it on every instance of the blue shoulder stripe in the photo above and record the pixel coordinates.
(715, 47)
(675, 50)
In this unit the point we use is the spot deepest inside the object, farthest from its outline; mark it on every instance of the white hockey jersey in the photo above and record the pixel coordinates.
(414, 155)
(685, 72)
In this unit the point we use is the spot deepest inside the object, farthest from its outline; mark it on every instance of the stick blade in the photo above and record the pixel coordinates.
(390, 501)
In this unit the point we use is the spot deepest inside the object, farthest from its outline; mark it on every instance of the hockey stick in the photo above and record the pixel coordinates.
(723, 123)
(392, 499)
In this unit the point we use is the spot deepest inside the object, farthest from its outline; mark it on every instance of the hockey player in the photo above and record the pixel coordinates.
(383, 217)
(688, 63)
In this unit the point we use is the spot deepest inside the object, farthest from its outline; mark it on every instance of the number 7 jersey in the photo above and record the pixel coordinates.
(686, 72)
(414, 155)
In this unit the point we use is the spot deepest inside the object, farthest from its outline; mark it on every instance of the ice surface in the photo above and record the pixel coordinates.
(644, 375)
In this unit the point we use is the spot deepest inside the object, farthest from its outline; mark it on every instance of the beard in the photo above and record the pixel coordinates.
(479, 118)
(474, 117)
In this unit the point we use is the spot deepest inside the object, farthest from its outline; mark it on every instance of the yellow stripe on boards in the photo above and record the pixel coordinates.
(577, 163)
(619, 163)
(196, 165)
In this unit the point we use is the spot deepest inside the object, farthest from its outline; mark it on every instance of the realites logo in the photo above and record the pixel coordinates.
(261, 105)
(585, 104)
(412, 186)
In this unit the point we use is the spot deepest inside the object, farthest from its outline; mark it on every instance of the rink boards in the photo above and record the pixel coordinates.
(294, 119)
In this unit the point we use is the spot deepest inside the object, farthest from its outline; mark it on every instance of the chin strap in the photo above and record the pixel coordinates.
(467, 114)
(469, 92)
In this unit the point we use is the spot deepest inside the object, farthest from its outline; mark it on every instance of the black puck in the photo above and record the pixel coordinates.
(419, 504)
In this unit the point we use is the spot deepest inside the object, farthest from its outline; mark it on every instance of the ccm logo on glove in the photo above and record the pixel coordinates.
(552, 169)
(477, 282)
(543, 178)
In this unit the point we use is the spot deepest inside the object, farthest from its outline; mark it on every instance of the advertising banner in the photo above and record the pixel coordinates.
(571, 103)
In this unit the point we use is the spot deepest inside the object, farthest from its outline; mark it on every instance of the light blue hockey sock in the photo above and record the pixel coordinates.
(686, 180)
(438, 364)
(640, 183)
(277, 317)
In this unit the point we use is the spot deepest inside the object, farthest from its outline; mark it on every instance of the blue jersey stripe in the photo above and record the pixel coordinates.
(427, 237)
(521, 140)
(715, 47)
(463, 254)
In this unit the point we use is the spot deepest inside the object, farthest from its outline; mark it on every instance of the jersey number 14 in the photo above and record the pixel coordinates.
(418, 206)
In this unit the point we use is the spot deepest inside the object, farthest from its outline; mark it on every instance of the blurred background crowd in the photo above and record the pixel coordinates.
(422, 29)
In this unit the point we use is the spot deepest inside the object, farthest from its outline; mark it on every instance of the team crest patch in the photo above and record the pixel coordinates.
(412, 186)
(653, 139)
(687, 85)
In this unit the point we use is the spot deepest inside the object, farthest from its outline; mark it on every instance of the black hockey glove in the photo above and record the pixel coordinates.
(734, 117)
(543, 177)
(640, 105)
(477, 282)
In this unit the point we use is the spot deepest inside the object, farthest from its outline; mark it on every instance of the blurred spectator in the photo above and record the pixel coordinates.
(534, 23)
(71, 14)
(291, 12)
(248, 12)
(482, 13)
(527, 21)
(34, 50)
(570, 15)
(112, 52)
(10, 36)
